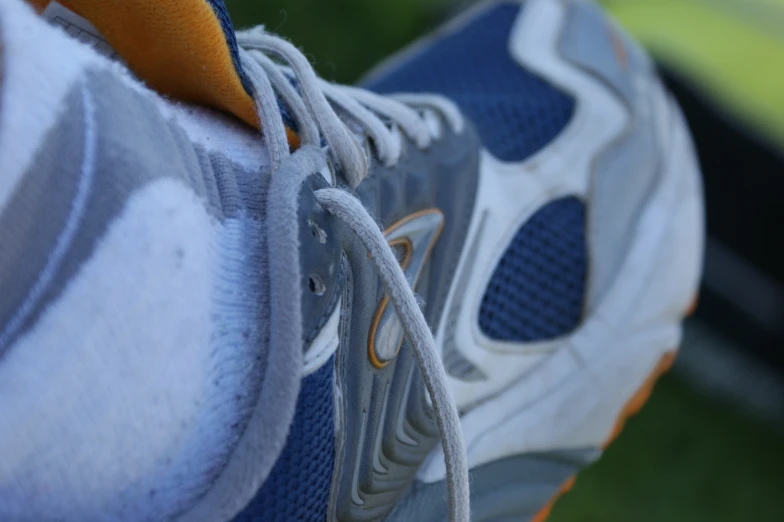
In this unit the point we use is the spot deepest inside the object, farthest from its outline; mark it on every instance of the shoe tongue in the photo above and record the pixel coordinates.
(184, 49)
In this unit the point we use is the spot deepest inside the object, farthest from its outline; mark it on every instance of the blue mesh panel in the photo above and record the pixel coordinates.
(537, 289)
(222, 14)
(298, 486)
(516, 113)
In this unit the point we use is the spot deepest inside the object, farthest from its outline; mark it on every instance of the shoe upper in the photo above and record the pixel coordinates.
(511, 228)
(524, 256)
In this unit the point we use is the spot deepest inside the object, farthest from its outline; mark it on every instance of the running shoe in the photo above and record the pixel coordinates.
(233, 291)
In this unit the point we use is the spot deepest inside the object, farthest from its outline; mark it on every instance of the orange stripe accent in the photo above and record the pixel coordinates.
(404, 264)
(406, 244)
(406, 259)
(620, 50)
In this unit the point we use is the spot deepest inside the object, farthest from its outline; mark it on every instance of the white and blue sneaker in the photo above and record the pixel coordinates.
(442, 290)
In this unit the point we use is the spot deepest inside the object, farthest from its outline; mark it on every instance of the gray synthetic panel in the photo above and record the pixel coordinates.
(589, 40)
(515, 488)
(322, 274)
(26, 237)
(455, 363)
(387, 429)
(626, 172)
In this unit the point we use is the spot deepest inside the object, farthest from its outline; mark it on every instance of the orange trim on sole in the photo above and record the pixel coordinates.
(692, 306)
(632, 407)
(545, 511)
(638, 400)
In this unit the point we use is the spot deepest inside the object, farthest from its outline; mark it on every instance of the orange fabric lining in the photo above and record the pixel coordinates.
(176, 46)
(39, 5)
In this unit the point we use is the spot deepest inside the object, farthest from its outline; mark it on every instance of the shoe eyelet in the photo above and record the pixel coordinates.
(316, 285)
(317, 232)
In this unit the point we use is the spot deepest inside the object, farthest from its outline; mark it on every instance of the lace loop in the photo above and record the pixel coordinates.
(268, 110)
(407, 118)
(373, 126)
(311, 104)
(341, 141)
(308, 130)
(444, 106)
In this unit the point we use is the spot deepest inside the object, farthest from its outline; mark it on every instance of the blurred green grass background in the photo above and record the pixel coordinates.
(685, 457)
(342, 38)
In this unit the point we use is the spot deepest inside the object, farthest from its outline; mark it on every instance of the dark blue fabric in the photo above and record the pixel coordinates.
(537, 289)
(222, 14)
(516, 112)
(298, 486)
(219, 8)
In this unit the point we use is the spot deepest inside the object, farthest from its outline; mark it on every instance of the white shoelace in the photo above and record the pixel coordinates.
(381, 119)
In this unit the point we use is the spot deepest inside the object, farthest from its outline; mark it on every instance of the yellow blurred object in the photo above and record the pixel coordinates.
(731, 50)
